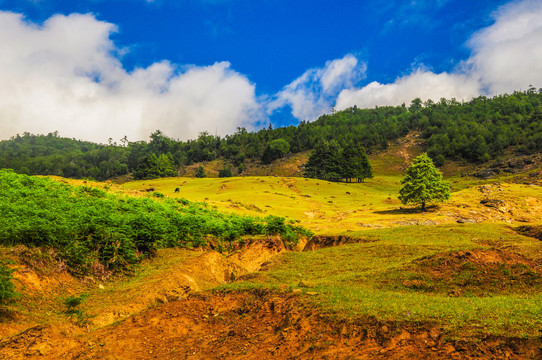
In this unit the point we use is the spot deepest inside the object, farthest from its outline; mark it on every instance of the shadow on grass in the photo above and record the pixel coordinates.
(404, 211)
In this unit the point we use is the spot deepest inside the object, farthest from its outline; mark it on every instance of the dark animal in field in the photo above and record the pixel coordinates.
(149, 189)
(177, 190)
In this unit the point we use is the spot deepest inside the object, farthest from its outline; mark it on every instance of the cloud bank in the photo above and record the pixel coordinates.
(506, 56)
(66, 75)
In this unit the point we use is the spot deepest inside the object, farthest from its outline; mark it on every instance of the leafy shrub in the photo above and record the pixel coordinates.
(226, 172)
(200, 172)
(88, 226)
(274, 225)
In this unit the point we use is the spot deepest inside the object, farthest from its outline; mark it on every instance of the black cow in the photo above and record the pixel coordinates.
(177, 190)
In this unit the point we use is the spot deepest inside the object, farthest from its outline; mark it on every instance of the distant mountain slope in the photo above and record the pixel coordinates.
(475, 131)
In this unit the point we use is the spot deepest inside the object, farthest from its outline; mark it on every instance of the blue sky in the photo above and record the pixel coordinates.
(128, 67)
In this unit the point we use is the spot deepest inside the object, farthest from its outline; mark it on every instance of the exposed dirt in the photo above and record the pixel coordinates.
(479, 272)
(253, 254)
(257, 325)
(324, 241)
(43, 282)
(169, 318)
(532, 231)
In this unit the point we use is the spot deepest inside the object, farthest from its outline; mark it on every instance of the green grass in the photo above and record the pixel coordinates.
(350, 280)
(89, 226)
(331, 208)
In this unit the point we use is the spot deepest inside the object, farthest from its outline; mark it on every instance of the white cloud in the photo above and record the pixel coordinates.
(313, 93)
(423, 84)
(65, 75)
(506, 56)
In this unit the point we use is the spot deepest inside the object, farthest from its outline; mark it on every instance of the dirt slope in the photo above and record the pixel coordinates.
(258, 325)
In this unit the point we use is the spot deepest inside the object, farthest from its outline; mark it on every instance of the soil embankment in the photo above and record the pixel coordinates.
(261, 325)
(181, 322)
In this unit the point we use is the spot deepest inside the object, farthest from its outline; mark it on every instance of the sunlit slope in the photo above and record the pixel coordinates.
(470, 279)
(327, 207)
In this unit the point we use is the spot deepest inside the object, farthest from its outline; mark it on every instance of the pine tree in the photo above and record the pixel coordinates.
(7, 289)
(200, 172)
(423, 183)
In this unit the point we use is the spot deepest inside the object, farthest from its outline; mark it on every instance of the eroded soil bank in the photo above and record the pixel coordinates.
(258, 325)
(172, 316)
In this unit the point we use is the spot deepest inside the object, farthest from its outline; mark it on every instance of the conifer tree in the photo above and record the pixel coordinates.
(423, 183)
(200, 172)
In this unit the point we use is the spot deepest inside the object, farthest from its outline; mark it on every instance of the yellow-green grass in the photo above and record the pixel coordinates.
(325, 207)
(347, 280)
(332, 208)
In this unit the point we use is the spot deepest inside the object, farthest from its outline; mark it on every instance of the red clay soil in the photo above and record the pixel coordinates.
(256, 325)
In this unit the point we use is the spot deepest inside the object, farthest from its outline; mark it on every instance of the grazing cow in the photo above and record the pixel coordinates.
(177, 190)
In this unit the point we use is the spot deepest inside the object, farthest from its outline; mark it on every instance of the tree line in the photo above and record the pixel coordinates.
(478, 130)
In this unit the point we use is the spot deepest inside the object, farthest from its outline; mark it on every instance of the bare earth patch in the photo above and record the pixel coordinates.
(258, 325)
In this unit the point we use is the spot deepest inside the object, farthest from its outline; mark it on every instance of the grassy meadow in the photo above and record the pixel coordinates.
(472, 278)
(461, 265)
(380, 276)
(333, 208)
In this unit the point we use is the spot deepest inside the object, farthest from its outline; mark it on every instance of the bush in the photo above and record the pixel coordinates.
(225, 173)
(7, 289)
(88, 226)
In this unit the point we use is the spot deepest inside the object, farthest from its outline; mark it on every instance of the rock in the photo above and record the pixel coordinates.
(161, 299)
(494, 203)
(429, 223)
(384, 329)
(466, 221)
(486, 173)
(449, 348)
(174, 295)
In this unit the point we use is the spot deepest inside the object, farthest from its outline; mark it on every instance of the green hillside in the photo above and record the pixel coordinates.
(92, 228)
(475, 131)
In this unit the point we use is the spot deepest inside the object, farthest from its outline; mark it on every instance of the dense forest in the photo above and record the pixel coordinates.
(477, 131)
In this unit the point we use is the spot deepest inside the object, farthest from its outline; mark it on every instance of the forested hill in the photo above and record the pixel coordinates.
(477, 131)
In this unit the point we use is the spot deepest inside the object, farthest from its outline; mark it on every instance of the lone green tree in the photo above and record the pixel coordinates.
(423, 183)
